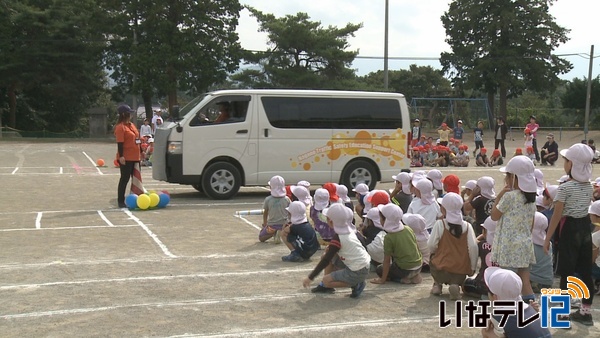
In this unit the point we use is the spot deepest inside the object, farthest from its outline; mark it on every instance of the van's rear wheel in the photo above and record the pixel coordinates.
(359, 172)
(221, 180)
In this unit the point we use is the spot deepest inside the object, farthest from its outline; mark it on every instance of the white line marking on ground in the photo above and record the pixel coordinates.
(14, 171)
(60, 171)
(38, 220)
(152, 278)
(248, 222)
(163, 247)
(73, 227)
(93, 163)
(105, 219)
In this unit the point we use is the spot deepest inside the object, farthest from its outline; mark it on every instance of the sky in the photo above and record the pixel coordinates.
(416, 31)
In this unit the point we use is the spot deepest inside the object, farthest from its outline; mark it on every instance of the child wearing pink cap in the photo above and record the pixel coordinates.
(541, 272)
(361, 191)
(417, 224)
(274, 214)
(424, 202)
(374, 234)
(575, 244)
(298, 235)
(346, 262)
(401, 195)
(321, 201)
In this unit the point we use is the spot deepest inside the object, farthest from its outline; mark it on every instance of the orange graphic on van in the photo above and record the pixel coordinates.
(380, 148)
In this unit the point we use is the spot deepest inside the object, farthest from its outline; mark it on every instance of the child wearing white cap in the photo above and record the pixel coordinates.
(505, 285)
(402, 260)
(321, 201)
(594, 211)
(346, 262)
(575, 244)
(453, 248)
(436, 178)
(514, 210)
(298, 235)
(374, 235)
(274, 214)
(342, 192)
(417, 224)
(481, 201)
(424, 202)
(475, 287)
(541, 272)
(401, 195)
(361, 191)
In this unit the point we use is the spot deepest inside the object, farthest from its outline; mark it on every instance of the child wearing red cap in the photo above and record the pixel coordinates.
(451, 184)
(530, 153)
(443, 159)
(462, 157)
(518, 151)
(432, 155)
(415, 159)
(481, 160)
(495, 159)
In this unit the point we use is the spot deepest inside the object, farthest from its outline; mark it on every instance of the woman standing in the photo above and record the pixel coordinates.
(500, 135)
(128, 148)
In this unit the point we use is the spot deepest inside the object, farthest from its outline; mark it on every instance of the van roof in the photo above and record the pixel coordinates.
(307, 92)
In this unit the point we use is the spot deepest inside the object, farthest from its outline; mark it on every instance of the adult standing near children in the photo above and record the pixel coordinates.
(549, 153)
(128, 148)
(533, 126)
(500, 135)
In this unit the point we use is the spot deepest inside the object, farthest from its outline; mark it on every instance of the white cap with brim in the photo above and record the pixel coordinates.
(522, 167)
(373, 215)
(277, 184)
(452, 203)
(470, 184)
(342, 192)
(321, 199)
(552, 190)
(403, 178)
(341, 216)
(393, 217)
(436, 178)
(304, 183)
(297, 212)
(594, 208)
(490, 227)
(302, 194)
(540, 224)
(505, 284)
(418, 224)
(486, 185)
(581, 155)
(563, 179)
(425, 187)
(361, 189)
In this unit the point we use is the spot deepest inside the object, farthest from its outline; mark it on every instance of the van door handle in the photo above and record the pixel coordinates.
(266, 132)
(243, 131)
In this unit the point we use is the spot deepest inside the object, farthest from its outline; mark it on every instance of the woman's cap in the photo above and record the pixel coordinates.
(436, 177)
(321, 199)
(594, 208)
(277, 184)
(425, 187)
(452, 182)
(305, 184)
(540, 224)
(297, 212)
(596, 181)
(151, 140)
(393, 217)
(522, 167)
(505, 284)
(342, 192)
(418, 224)
(332, 189)
(453, 204)
(302, 194)
(403, 178)
(581, 155)
(490, 227)
(378, 198)
(486, 185)
(470, 184)
(341, 216)
(124, 109)
(459, 121)
(373, 215)
(361, 189)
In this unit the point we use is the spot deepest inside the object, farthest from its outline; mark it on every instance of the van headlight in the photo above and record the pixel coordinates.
(175, 148)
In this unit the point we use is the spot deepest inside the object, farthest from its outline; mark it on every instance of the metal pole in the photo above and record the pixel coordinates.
(588, 96)
(385, 47)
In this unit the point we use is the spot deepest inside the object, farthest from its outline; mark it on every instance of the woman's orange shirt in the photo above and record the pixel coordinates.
(128, 134)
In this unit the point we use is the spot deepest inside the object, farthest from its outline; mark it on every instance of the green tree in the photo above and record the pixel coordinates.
(300, 54)
(171, 45)
(503, 46)
(576, 92)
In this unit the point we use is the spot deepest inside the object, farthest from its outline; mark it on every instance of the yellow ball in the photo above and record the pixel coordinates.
(154, 199)
(143, 201)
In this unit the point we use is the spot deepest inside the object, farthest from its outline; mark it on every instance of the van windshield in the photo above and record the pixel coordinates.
(193, 103)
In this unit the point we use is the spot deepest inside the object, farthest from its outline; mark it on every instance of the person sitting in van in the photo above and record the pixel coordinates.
(224, 112)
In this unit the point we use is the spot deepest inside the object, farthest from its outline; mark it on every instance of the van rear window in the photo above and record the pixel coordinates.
(332, 113)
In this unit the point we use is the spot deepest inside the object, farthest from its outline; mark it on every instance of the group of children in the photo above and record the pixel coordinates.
(428, 223)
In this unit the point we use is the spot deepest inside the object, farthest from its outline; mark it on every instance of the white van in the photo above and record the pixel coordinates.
(315, 135)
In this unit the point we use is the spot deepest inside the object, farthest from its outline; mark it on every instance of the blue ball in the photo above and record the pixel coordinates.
(131, 201)
(163, 200)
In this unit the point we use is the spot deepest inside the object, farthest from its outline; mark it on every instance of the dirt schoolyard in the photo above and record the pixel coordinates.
(73, 264)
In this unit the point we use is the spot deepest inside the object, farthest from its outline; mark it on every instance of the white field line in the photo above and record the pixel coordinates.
(38, 220)
(106, 220)
(73, 227)
(60, 171)
(163, 247)
(15, 171)
(248, 222)
(93, 163)
(152, 278)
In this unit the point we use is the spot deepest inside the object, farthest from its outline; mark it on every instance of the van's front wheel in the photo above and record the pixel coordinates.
(221, 180)
(359, 172)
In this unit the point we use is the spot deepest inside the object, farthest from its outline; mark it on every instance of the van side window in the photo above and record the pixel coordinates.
(336, 113)
(221, 112)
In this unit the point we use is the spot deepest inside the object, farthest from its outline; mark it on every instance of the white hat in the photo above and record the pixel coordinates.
(490, 227)
(305, 184)
(425, 187)
(563, 179)
(486, 184)
(151, 140)
(436, 178)
(321, 199)
(539, 180)
(539, 201)
(277, 184)
(341, 216)
(596, 181)
(302, 194)
(393, 217)
(452, 203)
(470, 184)
(417, 223)
(594, 208)
(405, 179)
(297, 212)
(361, 189)
(342, 192)
(552, 190)
(505, 284)
(459, 121)
(522, 167)
(373, 215)
(581, 155)
(540, 224)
